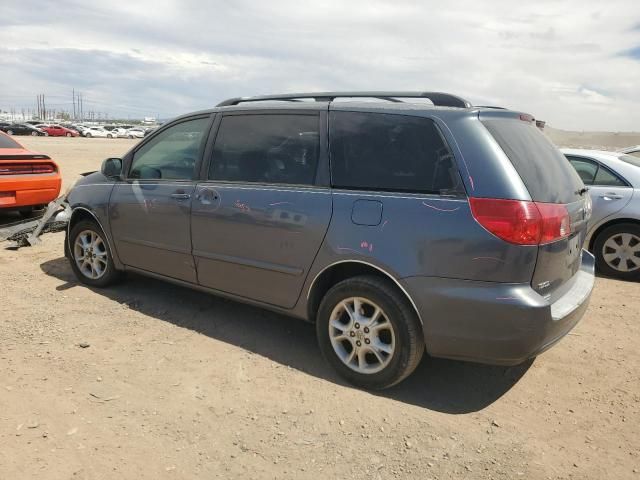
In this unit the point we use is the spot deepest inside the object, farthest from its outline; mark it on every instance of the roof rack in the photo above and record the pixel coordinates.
(438, 98)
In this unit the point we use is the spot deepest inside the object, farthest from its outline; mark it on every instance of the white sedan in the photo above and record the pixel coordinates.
(135, 132)
(99, 132)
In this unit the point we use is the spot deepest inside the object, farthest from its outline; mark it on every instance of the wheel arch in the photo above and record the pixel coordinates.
(605, 225)
(341, 270)
(82, 213)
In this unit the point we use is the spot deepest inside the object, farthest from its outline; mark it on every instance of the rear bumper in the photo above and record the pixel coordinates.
(28, 190)
(496, 323)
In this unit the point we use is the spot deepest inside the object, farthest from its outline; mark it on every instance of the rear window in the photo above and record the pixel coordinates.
(631, 159)
(6, 142)
(545, 171)
(373, 151)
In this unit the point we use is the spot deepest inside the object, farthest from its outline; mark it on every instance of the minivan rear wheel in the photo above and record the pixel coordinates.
(617, 251)
(369, 333)
(90, 255)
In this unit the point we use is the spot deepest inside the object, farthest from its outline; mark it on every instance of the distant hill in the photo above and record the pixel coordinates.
(594, 140)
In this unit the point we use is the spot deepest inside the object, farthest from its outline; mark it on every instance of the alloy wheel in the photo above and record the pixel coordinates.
(90, 254)
(361, 335)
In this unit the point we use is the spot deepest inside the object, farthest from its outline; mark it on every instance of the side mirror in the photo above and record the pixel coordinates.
(112, 167)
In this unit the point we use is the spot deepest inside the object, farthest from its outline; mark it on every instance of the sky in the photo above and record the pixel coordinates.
(573, 63)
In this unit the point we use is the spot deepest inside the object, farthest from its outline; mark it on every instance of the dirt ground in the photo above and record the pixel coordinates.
(177, 384)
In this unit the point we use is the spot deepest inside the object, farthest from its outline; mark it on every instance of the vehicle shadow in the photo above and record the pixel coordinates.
(7, 218)
(442, 385)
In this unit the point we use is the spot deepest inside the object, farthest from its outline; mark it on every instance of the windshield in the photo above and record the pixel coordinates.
(630, 159)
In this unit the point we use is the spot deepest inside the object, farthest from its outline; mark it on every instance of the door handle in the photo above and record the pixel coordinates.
(611, 196)
(180, 196)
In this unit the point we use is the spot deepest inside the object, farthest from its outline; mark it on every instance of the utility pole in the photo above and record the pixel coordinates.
(73, 97)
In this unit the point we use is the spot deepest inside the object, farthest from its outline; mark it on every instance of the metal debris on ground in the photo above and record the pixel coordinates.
(27, 232)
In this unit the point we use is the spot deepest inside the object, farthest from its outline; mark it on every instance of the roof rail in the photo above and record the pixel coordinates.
(438, 98)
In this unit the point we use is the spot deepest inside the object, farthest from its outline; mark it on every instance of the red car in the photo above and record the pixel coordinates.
(59, 131)
(27, 179)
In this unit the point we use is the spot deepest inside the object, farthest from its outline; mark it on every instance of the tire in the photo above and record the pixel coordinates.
(34, 134)
(88, 135)
(399, 333)
(130, 137)
(109, 136)
(9, 132)
(68, 134)
(26, 212)
(45, 134)
(91, 274)
(618, 247)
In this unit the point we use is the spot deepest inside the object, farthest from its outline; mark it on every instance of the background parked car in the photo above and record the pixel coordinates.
(100, 132)
(59, 131)
(27, 179)
(635, 151)
(119, 132)
(22, 129)
(613, 179)
(71, 127)
(135, 132)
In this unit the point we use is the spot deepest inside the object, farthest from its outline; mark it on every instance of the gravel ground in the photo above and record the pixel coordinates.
(151, 381)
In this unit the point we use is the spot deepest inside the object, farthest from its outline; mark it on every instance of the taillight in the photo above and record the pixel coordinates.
(43, 168)
(522, 222)
(26, 168)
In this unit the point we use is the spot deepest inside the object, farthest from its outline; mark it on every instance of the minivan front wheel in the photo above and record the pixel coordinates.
(369, 333)
(90, 257)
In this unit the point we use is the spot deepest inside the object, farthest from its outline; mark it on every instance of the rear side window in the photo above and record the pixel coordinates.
(543, 169)
(6, 142)
(374, 151)
(269, 148)
(633, 158)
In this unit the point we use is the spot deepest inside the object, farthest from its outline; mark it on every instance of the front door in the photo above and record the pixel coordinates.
(260, 218)
(150, 211)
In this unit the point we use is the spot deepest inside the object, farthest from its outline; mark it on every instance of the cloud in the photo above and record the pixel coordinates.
(557, 60)
(633, 53)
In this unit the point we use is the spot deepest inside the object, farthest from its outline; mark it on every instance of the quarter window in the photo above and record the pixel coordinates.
(606, 178)
(172, 154)
(372, 151)
(266, 148)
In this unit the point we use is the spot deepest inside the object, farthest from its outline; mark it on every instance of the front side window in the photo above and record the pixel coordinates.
(172, 154)
(373, 151)
(266, 148)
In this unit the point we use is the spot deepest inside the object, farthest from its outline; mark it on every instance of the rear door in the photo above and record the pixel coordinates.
(609, 193)
(149, 211)
(261, 215)
(549, 178)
